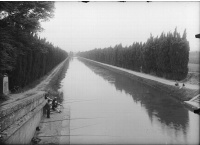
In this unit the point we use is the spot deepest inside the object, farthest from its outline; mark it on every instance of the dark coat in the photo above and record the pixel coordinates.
(47, 106)
(54, 103)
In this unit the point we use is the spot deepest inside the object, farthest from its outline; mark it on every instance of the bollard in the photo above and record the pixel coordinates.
(1, 85)
(5, 85)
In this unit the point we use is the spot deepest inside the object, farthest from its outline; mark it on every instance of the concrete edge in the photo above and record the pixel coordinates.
(192, 105)
(17, 111)
(19, 104)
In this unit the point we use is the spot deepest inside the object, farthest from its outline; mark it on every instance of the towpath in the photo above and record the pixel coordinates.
(56, 129)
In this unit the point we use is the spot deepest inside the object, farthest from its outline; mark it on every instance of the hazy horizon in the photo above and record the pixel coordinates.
(79, 26)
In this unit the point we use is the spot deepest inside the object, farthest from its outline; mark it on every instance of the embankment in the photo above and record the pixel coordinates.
(20, 115)
(167, 86)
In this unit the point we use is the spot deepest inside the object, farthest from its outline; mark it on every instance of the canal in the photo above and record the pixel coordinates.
(109, 108)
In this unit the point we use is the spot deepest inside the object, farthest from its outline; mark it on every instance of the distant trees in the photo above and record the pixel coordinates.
(165, 56)
(23, 55)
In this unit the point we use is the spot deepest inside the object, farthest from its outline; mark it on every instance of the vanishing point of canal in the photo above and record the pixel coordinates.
(109, 108)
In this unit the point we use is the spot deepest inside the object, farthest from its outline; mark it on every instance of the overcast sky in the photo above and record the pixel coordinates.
(81, 26)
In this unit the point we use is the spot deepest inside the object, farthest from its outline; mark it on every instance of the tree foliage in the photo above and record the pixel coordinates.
(165, 56)
(24, 56)
(26, 15)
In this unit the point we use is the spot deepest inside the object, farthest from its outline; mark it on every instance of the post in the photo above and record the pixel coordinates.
(5, 85)
(1, 85)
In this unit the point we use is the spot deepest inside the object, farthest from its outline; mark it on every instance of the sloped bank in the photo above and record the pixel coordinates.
(19, 118)
(183, 94)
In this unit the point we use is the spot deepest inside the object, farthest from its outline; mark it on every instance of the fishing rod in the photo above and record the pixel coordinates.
(52, 100)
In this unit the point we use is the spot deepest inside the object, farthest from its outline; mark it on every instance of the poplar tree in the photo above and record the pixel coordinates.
(165, 56)
(23, 55)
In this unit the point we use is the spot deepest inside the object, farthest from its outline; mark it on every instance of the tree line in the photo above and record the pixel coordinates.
(164, 56)
(24, 56)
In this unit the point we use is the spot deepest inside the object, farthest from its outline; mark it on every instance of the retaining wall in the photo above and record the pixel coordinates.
(19, 119)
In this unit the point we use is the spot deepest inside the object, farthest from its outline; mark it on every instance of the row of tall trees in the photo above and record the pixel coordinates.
(165, 56)
(24, 56)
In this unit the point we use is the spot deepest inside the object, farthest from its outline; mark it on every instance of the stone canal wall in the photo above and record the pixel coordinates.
(20, 117)
(19, 120)
(183, 94)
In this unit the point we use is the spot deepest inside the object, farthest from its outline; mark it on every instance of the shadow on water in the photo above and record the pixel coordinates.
(58, 85)
(156, 103)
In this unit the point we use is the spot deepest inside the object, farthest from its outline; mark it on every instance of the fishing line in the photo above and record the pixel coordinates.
(70, 119)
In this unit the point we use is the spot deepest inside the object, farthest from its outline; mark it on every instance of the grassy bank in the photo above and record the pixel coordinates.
(55, 83)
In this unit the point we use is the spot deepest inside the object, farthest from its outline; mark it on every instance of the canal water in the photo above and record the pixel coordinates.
(109, 108)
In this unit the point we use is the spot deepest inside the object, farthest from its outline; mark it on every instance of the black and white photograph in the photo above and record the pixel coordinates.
(99, 72)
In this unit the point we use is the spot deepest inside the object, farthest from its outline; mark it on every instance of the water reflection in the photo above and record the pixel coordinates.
(159, 106)
(61, 78)
(106, 108)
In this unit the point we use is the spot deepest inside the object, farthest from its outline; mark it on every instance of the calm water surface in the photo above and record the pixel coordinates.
(108, 108)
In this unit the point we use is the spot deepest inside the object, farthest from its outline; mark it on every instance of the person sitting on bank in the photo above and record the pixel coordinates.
(180, 87)
(176, 84)
(55, 105)
(197, 111)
